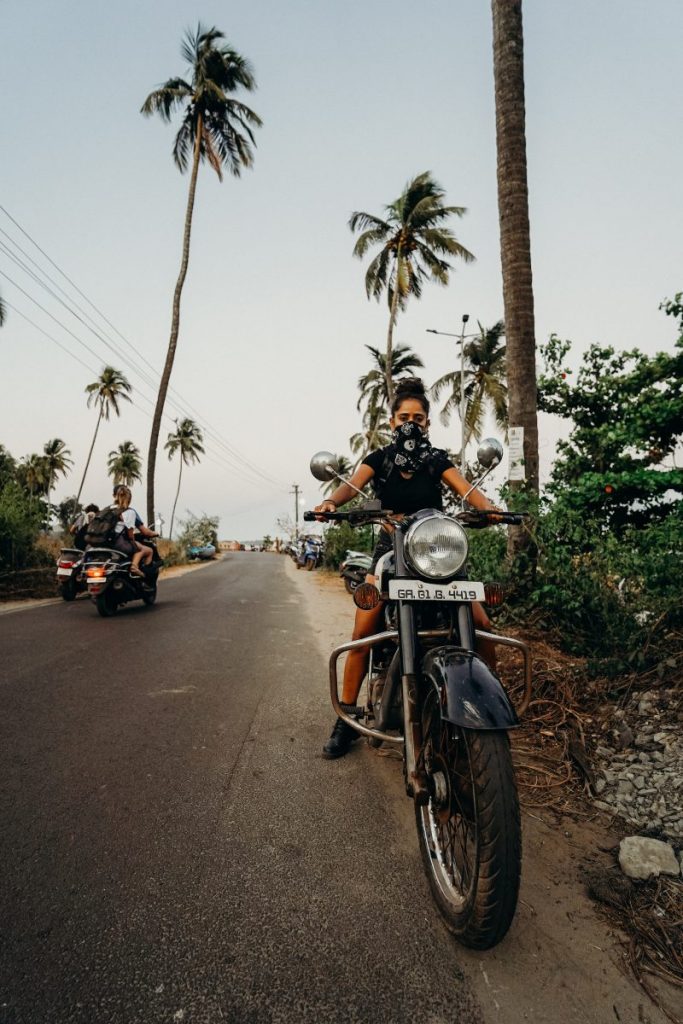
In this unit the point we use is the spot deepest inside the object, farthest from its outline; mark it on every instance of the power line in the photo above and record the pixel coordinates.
(208, 429)
(225, 464)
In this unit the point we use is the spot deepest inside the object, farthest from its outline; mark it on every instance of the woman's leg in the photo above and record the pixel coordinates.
(486, 648)
(356, 665)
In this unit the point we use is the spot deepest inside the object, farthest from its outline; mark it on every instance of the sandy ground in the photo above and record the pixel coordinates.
(561, 962)
(6, 607)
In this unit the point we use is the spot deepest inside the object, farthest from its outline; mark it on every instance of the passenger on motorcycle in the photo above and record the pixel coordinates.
(140, 529)
(80, 525)
(407, 475)
(125, 531)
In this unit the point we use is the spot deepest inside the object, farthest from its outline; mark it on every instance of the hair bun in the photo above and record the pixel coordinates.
(410, 386)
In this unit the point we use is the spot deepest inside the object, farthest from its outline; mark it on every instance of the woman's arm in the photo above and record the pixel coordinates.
(457, 483)
(344, 493)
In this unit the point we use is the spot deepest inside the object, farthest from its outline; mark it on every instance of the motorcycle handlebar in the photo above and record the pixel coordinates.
(476, 516)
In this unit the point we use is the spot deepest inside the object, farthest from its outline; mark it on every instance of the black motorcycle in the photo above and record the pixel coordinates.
(110, 583)
(430, 694)
(70, 574)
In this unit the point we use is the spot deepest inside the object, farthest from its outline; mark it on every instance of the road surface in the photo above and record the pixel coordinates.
(173, 846)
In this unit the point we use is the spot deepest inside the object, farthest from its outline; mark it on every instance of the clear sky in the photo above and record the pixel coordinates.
(356, 98)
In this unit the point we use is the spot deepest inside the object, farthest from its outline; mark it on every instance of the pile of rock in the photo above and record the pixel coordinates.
(639, 764)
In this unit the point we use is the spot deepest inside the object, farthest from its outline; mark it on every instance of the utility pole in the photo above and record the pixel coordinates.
(295, 492)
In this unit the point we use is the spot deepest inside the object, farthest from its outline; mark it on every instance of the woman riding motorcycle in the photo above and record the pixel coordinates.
(407, 475)
(125, 531)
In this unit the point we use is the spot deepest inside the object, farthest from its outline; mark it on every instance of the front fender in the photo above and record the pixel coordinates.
(472, 695)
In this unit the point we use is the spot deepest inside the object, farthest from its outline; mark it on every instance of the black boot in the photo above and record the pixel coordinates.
(340, 741)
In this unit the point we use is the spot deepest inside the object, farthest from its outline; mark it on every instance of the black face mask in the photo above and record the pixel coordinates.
(410, 447)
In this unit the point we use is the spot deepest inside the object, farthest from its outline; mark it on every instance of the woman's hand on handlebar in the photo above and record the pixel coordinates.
(325, 506)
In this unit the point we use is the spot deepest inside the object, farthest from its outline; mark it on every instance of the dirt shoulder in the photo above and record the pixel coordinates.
(561, 961)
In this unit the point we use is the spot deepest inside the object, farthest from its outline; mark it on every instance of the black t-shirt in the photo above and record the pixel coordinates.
(422, 490)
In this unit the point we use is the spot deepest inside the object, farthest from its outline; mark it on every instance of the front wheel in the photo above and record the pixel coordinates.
(469, 831)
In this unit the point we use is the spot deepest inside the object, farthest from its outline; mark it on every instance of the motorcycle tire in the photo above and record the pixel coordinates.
(106, 604)
(350, 585)
(68, 590)
(310, 564)
(149, 597)
(476, 820)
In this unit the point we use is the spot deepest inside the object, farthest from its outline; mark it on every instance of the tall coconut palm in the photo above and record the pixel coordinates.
(124, 464)
(413, 240)
(105, 393)
(515, 245)
(58, 462)
(187, 441)
(215, 127)
(484, 383)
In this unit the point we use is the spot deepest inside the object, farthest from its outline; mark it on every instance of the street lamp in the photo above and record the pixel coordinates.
(463, 403)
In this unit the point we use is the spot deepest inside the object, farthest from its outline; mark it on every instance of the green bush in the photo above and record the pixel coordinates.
(341, 537)
(20, 521)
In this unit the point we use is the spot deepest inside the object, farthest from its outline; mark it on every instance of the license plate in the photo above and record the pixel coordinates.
(64, 572)
(416, 590)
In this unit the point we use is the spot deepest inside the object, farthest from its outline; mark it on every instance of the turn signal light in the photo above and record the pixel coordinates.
(97, 572)
(494, 594)
(366, 596)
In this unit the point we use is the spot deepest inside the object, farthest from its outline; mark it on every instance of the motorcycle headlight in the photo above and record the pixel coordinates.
(436, 547)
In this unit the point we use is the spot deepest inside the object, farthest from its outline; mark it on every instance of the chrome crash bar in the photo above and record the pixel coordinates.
(392, 634)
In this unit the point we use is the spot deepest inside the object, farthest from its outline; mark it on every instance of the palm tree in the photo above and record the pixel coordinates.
(105, 393)
(124, 464)
(515, 246)
(215, 127)
(414, 240)
(484, 383)
(187, 441)
(33, 474)
(58, 461)
(345, 469)
(373, 392)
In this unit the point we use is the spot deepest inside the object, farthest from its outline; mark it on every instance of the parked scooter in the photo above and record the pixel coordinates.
(110, 583)
(70, 573)
(354, 569)
(310, 554)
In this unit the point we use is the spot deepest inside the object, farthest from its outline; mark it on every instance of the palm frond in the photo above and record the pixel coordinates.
(365, 221)
(167, 98)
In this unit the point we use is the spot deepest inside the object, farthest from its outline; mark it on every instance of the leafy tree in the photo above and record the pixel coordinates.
(413, 240)
(187, 442)
(66, 511)
(515, 245)
(20, 521)
(267, 542)
(124, 464)
(57, 462)
(626, 410)
(199, 530)
(215, 127)
(484, 383)
(8, 467)
(33, 475)
(105, 393)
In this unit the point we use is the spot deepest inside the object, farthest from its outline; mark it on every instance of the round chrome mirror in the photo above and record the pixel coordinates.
(489, 452)
(324, 466)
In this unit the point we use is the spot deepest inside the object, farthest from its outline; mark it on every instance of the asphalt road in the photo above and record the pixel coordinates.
(173, 847)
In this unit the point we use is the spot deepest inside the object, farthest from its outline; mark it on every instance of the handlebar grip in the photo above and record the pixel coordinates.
(309, 517)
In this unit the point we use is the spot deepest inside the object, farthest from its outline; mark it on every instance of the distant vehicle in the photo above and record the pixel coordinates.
(202, 551)
(70, 574)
